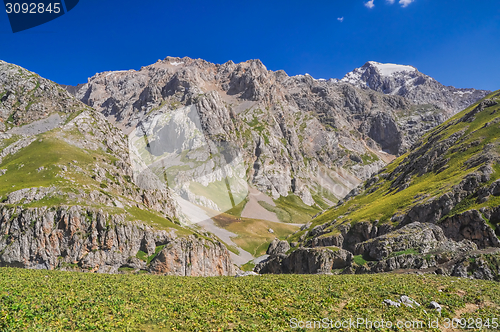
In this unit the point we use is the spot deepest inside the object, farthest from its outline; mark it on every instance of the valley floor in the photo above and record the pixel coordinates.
(40, 300)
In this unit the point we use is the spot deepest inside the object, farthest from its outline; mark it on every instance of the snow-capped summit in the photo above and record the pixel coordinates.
(363, 77)
(389, 69)
(408, 82)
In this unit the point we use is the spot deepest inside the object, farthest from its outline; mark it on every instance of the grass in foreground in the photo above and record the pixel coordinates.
(37, 300)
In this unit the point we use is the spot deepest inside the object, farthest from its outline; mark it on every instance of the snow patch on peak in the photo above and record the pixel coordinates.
(389, 69)
(175, 63)
(354, 77)
(116, 72)
(462, 92)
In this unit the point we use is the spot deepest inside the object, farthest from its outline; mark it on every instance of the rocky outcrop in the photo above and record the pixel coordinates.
(415, 247)
(417, 236)
(277, 247)
(84, 239)
(26, 97)
(469, 117)
(306, 260)
(193, 257)
(470, 225)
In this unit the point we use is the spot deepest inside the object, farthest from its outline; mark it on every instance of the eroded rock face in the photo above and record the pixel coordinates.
(306, 260)
(278, 247)
(463, 245)
(417, 236)
(193, 257)
(86, 239)
(470, 225)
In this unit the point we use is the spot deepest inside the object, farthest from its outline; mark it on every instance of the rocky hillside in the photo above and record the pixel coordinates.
(434, 209)
(68, 196)
(408, 82)
(26, 97)
(287, 136)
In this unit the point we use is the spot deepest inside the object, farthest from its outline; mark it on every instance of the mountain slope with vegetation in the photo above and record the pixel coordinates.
(68, 198)
(435, 208)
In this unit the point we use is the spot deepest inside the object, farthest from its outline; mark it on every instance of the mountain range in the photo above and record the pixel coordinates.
(164, 168)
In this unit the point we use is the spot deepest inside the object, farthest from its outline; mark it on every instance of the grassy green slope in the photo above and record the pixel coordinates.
(253, 234)
(47, 151)
(41, 165)
(33, 300)
(384, 201)
(291, 209)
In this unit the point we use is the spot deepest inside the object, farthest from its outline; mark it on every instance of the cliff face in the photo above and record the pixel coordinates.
(83, 239)
(435, 209)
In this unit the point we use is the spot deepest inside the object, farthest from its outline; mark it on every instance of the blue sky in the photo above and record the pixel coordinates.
(455, 41)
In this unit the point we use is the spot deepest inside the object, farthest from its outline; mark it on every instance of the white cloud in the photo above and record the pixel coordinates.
(405, 3)
(340, 19)
(370, 4)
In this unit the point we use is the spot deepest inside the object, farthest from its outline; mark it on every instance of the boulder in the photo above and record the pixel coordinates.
(278, 247)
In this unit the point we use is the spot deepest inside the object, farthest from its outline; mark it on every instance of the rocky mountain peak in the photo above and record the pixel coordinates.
(363, 77)
(408, 82)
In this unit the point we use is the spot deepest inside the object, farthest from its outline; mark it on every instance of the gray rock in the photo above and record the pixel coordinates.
(409, 302)
(305, 226)
(469, 117)
(277, 247)
(44, 100)
(435, 305)
(306, 260)
(410, 83)
(193, 257)
(246, 274)
(470, 225)
(419, 236)
(392, 303)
